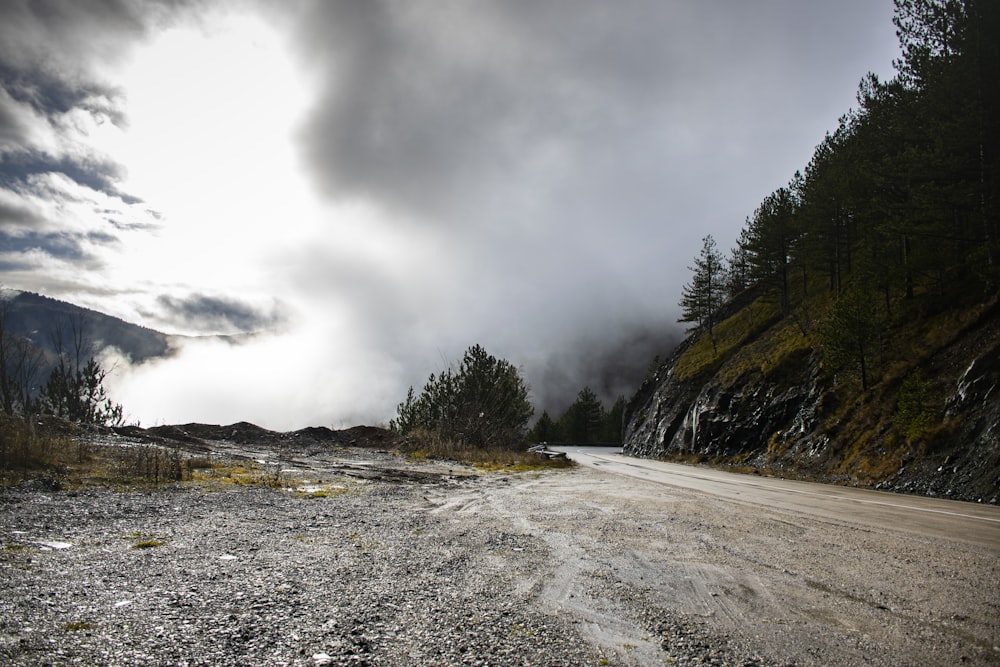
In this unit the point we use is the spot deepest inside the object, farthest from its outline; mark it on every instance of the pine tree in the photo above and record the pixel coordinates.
(483, 403)
(702, 298)
(853, 334)
(771, 238)
(583, 421)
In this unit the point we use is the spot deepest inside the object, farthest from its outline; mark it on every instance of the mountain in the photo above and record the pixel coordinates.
(38, 318)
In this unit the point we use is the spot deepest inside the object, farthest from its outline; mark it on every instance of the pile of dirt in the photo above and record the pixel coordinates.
(198, 437)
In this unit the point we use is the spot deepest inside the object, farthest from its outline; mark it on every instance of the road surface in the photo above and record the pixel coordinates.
(971, 523)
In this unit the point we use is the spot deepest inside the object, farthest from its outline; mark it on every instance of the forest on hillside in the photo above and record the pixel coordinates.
(852, 334)
(895, 216)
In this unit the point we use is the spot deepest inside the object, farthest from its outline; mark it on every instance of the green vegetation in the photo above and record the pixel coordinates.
(74, 389)
(704, 296)
(421, 444)
(896, 211)
(879, 254)
(484, 403)
(584, 421)
(36, 423)
(914, 408)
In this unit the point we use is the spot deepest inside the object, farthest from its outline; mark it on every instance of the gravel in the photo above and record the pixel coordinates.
(261, 576)
(443, 567)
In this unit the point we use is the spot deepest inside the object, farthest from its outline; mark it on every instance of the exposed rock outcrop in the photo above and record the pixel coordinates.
(776, 410)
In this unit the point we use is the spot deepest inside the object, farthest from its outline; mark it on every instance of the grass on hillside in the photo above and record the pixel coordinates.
(53, 450)
(756, 338)
(874, 432)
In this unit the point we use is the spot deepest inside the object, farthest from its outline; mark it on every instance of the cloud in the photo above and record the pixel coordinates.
(96, 172)
(438, 109)
(58, 245)
(551, 171)
(218, 315)
(385, 183)
(323, 374)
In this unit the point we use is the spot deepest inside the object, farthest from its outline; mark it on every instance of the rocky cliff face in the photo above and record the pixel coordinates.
(772, 408)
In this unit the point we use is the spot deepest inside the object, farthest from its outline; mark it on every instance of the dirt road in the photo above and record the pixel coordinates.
(818, 587)
(921, 516)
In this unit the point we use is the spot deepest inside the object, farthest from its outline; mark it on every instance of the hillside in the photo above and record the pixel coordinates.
(852, 334)
(38, 318)
(766, 401)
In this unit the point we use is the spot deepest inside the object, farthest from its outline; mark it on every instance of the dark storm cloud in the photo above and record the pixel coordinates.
(12, 215)
(419, 113)
(85, 32)
(47, 93)
(213, 314)
(52, 54)
(429, 105)
(613, 365)
(570, 156)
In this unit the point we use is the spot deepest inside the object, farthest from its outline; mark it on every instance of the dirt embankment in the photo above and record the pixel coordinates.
(438, 565)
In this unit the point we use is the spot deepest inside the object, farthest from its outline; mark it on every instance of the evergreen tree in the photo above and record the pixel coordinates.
(75, 387)
(853, 334)
(771, 237)
(738, 266)
(583, 421)
(612, 431)
(702, 298)
(482, 403)
(544, 430)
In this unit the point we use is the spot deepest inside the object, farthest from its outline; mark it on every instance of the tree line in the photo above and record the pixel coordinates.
(897, 205)
(483, 402)
(585, 421)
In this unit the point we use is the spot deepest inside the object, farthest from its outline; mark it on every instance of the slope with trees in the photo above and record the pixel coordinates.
(862, 297)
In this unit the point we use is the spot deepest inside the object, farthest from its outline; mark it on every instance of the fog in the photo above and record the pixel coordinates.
(370, 187)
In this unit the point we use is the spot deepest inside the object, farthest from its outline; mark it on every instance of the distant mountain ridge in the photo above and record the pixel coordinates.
(38, 318)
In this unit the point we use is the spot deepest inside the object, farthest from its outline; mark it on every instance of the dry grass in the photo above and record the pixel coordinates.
(245, 473)
(731, 335)
(427, 445)
(57, 452)
(147, 544)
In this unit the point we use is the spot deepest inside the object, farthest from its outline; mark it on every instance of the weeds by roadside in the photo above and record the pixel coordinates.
(427, 445)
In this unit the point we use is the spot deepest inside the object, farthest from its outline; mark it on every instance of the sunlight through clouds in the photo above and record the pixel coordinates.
(212, 111)
(371, 187)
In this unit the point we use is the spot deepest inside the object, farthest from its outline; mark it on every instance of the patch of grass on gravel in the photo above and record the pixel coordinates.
(78, 626)
(148, 544)
(424, 446)
(242, 474)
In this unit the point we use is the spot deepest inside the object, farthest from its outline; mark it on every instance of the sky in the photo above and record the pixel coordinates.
(372, 186)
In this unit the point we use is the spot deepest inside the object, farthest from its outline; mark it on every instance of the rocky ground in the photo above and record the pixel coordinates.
(362, 558)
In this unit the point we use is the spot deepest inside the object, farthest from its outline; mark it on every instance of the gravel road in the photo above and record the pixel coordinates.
(433, 565)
